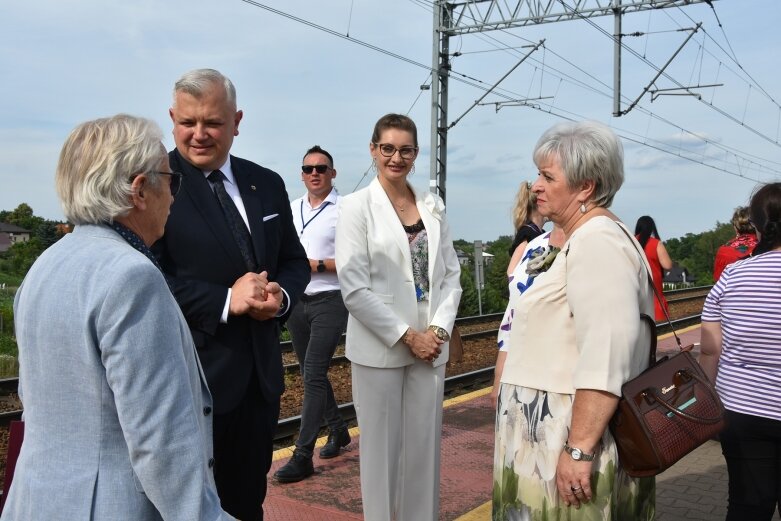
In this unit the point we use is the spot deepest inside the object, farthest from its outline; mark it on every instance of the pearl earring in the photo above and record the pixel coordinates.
(582, 207)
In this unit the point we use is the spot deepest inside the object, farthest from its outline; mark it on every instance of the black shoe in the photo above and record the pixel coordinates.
(336, 440)
(299, 467)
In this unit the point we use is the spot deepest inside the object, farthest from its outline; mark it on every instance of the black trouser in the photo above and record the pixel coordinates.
(243, 449)
(316, 325)
(752, 448)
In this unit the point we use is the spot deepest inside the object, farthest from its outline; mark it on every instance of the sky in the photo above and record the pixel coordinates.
(688, 162)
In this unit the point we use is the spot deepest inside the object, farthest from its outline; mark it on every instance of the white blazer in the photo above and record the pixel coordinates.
(375, 273)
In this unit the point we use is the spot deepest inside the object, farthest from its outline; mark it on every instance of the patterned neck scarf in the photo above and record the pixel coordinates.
(137, 244)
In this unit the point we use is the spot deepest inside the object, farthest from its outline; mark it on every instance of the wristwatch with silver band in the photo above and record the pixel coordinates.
(577, 454)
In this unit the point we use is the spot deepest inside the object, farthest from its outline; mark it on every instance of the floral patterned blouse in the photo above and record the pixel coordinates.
(418, 248)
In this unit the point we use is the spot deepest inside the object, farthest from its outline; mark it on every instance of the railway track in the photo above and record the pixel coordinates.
(474, 328)
(288, 427)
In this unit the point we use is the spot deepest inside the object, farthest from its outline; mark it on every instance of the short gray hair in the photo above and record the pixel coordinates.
(198, 81)
(586, 150)
(97, 162)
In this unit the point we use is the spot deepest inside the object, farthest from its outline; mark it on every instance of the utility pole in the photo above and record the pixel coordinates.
(479, 275)
(439, 94)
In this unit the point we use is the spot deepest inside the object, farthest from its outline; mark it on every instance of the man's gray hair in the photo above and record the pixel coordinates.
(585, 150)
(98, 161)
(198, 81)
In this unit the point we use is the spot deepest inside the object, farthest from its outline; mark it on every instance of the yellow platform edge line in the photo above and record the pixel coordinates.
(287, 452)
(481, 513)
(679, 331)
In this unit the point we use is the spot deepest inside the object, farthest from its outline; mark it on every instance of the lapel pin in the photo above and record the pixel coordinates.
(252, 186)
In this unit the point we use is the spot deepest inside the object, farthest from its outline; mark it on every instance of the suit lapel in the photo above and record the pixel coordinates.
(382, 207)
(197, 189)
(253, 205)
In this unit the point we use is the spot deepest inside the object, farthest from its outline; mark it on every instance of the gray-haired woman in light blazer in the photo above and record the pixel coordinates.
(117, 412)
(399, 277)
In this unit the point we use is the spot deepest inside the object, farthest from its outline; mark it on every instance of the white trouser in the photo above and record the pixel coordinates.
(399, 413)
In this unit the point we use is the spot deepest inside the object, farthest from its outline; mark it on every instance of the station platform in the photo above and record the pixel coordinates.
(695, 488)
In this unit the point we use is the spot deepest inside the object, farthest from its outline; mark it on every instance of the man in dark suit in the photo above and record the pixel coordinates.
(236, 267)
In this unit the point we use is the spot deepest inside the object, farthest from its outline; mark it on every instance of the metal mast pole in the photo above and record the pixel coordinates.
(617, 59)
(439, 94)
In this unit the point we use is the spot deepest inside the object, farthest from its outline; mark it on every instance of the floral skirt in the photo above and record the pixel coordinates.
(531, 428)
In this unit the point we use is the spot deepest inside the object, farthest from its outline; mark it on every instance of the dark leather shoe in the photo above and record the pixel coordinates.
(299, 467)
(336, 440)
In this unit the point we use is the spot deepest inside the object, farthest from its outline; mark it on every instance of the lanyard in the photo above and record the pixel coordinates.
(305, 224)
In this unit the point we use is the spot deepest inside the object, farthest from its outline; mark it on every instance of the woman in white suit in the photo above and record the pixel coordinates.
(399, 277)
(117, 412)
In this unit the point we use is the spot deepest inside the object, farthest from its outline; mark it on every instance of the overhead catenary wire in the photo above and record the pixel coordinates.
(466, 79)
(565, 77)
(568, 78)
(673, 80)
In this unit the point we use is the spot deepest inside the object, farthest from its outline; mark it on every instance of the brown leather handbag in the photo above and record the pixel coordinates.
(666, 412)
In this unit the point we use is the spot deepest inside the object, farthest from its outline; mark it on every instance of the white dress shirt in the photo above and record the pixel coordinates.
(317, 231)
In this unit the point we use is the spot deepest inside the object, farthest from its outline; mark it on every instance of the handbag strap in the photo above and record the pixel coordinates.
(652, 355)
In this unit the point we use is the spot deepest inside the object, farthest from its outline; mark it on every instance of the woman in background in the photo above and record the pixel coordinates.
(741, 353)
(532, 265)
(527, 221)
(658, 258)
(740, 246)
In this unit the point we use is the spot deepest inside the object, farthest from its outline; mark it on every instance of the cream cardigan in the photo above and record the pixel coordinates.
(578, 326)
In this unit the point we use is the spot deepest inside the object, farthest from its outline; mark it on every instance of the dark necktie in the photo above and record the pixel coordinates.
(235, 222)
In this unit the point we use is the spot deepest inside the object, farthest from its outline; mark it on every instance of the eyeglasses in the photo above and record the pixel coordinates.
(320, 169)
(388, 150)
(176, 181)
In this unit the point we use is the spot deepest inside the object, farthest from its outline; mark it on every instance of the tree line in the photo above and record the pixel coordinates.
(694, 251)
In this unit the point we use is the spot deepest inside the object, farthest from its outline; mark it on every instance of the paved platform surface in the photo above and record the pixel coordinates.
(695, 488)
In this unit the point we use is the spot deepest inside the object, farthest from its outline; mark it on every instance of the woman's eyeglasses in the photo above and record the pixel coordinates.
(320, 169)
(388, 150)
(176, 181)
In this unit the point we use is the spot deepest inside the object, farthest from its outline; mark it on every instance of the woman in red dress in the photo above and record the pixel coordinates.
(658, 258)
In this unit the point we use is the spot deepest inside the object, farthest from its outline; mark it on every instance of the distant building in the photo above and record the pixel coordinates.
(465, 259)
(678, 275)
(11, 234)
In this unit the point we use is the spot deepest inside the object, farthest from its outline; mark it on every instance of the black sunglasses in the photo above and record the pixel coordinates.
(320, 169)
(176, 181)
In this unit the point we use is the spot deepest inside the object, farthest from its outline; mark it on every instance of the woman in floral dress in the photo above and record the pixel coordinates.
(577, 337)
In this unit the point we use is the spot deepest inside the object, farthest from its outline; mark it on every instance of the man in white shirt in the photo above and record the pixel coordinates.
(317, 322)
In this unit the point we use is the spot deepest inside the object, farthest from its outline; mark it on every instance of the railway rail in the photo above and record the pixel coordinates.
(473, 328)
(288, 427)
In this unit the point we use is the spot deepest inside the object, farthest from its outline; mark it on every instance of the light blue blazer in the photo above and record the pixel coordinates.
(117, 413)
(374, 264)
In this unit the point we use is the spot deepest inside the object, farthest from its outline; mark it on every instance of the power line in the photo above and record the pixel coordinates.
(676, 82)
(474, 82)
(568, 78)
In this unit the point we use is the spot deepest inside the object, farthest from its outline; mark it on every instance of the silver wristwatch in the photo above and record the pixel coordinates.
(577, 454)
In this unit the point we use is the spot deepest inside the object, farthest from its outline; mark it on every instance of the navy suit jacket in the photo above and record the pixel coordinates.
(202, 260)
